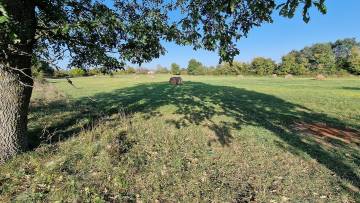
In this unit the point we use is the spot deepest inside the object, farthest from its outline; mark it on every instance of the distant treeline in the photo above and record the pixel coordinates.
(341, 58)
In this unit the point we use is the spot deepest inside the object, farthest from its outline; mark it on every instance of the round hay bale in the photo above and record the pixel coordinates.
(274, 75)
(176, 81)
(320, 77)
(289, 76)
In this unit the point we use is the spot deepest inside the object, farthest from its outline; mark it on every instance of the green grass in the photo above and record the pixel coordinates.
(231, 139)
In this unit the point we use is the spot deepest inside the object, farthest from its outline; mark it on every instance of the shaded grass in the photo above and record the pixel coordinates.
(205, 140)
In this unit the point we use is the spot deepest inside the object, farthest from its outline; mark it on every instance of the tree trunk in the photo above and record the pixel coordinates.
(15, 78)
(14, 102)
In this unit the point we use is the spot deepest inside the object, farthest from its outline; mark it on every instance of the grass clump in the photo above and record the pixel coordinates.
(82, 168)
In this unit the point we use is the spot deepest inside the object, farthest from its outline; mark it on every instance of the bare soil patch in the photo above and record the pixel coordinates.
(322, 130)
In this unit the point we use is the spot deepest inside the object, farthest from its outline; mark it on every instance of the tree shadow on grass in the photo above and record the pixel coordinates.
(351, 88)
(198, 103)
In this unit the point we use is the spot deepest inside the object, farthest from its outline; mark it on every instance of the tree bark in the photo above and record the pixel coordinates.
(14, 102)
(15, 78)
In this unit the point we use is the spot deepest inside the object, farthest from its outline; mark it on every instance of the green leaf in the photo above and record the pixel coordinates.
(3, 15)
(14, 38)
(3, 19)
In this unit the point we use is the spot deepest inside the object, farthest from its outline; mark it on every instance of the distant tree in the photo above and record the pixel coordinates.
(195, 68)
(288, 62)
(321, 58)
(354, 61)
(175, 69)
(161, 70)
(235, 68)
(263, 66)
(242, 68)
(142, 70)
(337, 57)
(302, 64)
(226, 69)
(208, 70)
(293, 63)
(342, 49)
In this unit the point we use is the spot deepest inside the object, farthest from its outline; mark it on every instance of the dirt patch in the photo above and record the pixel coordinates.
(325, 131)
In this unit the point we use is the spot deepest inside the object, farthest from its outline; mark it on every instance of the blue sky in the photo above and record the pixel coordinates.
(276, 39)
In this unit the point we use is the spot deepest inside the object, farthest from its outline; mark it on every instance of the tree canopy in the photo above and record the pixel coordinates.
(326, 58)
(110, 33)
(263, 66)
(293, 63)
(175, 69)
(195, 68)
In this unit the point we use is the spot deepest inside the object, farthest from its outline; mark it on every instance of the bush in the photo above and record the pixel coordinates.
(183, 71)
(236, 68)
(263, 66)
(342, 73)
(130, 70)
(61, 74)
(77, 72)
(94, 71)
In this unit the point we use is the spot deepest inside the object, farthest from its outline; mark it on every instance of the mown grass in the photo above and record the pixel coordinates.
(137, 138)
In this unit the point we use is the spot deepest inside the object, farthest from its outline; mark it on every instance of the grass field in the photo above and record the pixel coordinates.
(218, 139)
